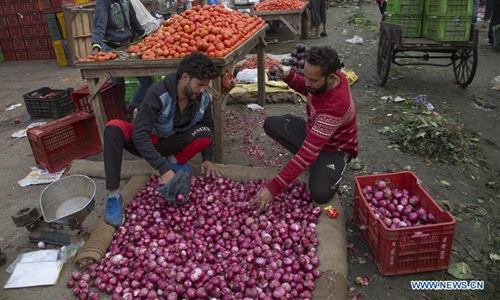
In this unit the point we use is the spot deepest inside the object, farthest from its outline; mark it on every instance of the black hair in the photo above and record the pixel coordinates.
(197, 65)
(324, 56)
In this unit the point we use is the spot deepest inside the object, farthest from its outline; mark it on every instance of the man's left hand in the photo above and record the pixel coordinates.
(265, 197)
(210, 169)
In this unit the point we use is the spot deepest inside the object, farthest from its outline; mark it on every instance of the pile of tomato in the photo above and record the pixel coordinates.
(211, 29)
(99, 56)
(279, 5)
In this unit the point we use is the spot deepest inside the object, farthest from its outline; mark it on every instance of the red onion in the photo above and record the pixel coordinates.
(70, 283)
(76, 275)
(431, 218)
(381, 185)
(94, 296)
(214, 246)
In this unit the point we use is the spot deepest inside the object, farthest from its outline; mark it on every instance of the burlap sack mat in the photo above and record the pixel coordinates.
(332, 248)
(101, 235)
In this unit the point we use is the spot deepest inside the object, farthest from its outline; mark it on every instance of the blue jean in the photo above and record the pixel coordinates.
(475, 8)
(144, 84)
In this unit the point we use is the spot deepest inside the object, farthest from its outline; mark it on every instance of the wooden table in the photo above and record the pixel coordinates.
(97, 73)
(295, 20)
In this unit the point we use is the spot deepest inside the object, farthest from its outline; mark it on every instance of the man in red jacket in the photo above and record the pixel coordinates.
(327, 141)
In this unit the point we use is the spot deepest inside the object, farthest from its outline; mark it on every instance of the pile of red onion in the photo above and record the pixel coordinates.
(396, 208)
(214, 247)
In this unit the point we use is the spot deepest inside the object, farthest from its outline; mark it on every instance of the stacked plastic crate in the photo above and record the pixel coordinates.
(407, 13)
(447, 20)
(54, 18)
(23, 31)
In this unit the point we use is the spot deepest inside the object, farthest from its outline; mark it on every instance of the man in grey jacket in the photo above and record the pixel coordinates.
(174, 124)
(114, 21)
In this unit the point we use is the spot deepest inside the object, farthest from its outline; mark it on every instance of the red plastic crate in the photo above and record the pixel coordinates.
(15, 32)
(40, 53)
(34, 30)
(12, 20)
(21, 54)
(405, 250)
(46, 6)
(111, 100)
(6, 44)
(56, 5)
(18, 44)
(26, 6)
(56, 144)
(3, 20)
(36, 18)
(8, 7)
(37, 42)
(9, 55)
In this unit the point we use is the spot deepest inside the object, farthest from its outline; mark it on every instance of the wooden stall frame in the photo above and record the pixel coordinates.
(295, 20)
(79, 22)
(97, 73)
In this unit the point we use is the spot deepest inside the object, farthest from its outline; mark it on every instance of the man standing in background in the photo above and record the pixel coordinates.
(114, 21)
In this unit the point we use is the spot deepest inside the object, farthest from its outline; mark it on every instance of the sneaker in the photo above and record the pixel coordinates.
(176, 167)
(114, 211)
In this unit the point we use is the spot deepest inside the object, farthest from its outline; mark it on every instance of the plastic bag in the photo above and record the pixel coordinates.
(355, 40)
(69, 252)
(496, 83)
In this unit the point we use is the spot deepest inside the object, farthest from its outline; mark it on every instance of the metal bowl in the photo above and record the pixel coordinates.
(69, 200)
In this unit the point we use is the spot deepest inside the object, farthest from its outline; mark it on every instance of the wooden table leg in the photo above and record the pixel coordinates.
(261, 72)
(218, 119)
(95, 85)
(304, 25)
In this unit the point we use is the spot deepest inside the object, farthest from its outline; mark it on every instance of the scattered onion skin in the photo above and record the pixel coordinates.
(215, 246)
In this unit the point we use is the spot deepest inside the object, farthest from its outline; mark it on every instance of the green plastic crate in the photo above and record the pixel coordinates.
(53, 26)
(132, 84)
(412, 24)
(413, 7)
(462, 8)
(447, 28)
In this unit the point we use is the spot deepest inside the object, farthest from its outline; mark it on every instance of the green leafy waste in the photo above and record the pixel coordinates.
(435, 138)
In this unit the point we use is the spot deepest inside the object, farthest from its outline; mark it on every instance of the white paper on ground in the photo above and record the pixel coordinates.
(36, 268)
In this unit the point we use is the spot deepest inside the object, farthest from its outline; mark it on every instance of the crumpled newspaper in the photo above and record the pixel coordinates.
(496, 83)
(40, 176)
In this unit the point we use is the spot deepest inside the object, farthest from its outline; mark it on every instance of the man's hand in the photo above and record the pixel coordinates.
(264, 197)
(210, 169)
(281, 72)
(166, 177)
(94, 51)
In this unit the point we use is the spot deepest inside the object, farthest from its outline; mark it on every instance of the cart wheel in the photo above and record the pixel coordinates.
(465, 65)
(384, 56)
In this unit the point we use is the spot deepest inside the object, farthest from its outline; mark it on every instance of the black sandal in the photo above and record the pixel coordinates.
(323, 34)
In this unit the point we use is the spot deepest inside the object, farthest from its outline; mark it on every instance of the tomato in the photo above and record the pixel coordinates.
(210, 29)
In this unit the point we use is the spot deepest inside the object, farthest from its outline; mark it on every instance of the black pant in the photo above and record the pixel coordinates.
(326, 172)
(115, 141)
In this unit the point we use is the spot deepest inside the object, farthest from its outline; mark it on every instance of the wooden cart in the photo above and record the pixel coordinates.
(393, 46)
(97, 73)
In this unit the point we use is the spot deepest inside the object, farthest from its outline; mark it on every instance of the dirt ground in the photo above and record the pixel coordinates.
(471, 191)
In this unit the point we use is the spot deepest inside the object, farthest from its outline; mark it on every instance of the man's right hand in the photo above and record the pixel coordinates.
(281, 72)
(94, 51)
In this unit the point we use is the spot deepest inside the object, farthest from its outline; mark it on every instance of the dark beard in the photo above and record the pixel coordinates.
(190, 94)
(320, 90)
